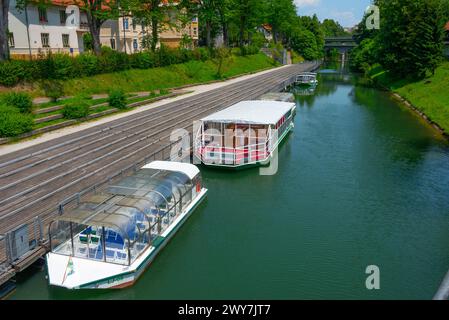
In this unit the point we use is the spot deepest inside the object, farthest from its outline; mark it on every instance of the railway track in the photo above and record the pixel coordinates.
(34, 180)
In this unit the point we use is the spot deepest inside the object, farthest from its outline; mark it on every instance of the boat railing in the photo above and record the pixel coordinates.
(234, 155)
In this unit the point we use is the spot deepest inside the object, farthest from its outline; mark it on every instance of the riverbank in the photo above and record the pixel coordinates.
(152, 79)
(428, 97)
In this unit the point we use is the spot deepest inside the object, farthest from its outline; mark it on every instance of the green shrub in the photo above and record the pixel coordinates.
(11, 72)
(20, 100)
(14, 123)
(143, 60)
(85, 65)
(63, 66)
(117, 99)
(77, 109)
(53, 89)
(192, 68)
(201, 53)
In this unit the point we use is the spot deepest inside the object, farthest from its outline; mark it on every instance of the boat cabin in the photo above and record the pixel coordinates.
(246, 133)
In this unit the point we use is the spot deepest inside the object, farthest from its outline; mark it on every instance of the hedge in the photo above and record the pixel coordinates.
(117, 99)
(63, 66)
(14, 123)
(76, 109)
(20, 100)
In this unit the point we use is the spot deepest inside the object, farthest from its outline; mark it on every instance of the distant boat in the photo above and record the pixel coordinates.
(306, 79)
(245, 134)
(110, 238)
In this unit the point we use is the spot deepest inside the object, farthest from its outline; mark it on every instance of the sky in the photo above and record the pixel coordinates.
(347, 12)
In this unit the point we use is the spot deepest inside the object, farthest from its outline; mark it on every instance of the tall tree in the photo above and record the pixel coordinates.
(155, 14)
(411, 36)
(97, 12)
(4, 50)
(281, 14)
(332, 28)
(247, 15)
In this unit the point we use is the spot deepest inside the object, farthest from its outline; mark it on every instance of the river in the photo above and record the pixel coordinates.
(361, 181)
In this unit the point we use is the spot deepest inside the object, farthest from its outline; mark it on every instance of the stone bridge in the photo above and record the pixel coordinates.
(343, 44)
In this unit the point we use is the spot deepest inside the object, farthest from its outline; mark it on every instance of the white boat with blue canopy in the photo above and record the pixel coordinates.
(109, 239)
(245, 134)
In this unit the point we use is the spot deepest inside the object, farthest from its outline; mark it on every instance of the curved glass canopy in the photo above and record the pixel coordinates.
(135, 209)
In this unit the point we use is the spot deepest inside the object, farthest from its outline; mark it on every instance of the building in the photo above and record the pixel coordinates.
(39, 30)
(267, 31)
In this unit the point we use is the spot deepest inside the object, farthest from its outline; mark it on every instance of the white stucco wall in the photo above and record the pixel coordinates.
(17, 25)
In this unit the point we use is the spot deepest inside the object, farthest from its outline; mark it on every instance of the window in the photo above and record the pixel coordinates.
(42, 15)
(11, 42)
(134, 24)
(113, 44)
(125, 23)
(62, 16)
(194, 31)
(45, 40)
(135, 44)
(65, 41)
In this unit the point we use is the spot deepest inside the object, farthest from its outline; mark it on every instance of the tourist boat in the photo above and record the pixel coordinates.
(245, 134)
(110, 238)
(306, 79)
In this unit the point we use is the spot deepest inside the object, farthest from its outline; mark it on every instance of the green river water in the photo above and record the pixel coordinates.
(361, 181)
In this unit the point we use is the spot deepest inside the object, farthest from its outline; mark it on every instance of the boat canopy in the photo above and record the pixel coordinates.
(124, 202)
(252, 112)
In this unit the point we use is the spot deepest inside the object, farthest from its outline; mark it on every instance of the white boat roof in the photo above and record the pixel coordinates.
(252, 112)
(189, 169)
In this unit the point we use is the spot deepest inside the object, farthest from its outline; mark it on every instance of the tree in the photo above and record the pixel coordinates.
(313, 25)
(4, 50)
(305, 44)
(247, 16)
(411, 36)
(224, 16)
(332, 28)
(156, 14)
(281, 15)
(207, 13)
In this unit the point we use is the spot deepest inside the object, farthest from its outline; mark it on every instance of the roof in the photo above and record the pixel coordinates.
(189, 169)
(252, 112)
(446, 27)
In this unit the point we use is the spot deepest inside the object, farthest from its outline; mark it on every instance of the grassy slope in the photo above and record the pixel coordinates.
(430, 95)
(168, 77)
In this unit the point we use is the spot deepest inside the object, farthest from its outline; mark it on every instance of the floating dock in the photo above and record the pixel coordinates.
(278, 96)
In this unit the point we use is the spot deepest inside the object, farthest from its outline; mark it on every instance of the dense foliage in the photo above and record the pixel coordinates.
(19, 100)
(14, 123)
(77, 109)
(117, 99)
(63, 66)
(409, 42)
